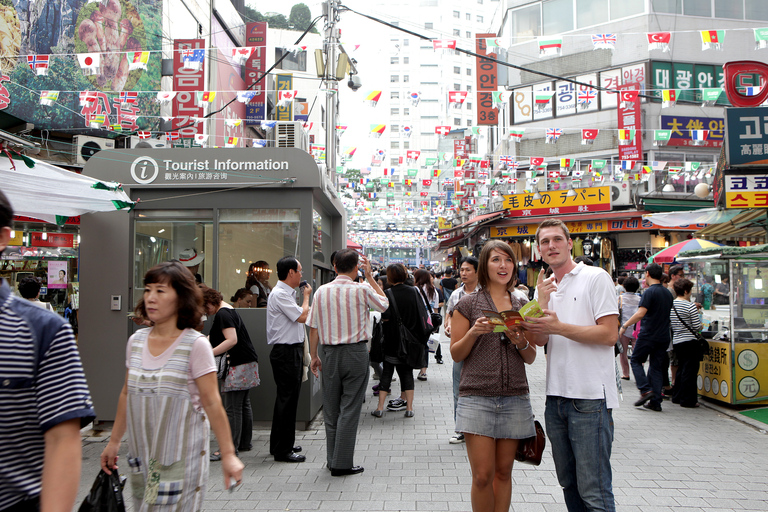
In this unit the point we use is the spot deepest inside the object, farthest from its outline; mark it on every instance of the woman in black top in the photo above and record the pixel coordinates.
(413, 314)
(229, 336)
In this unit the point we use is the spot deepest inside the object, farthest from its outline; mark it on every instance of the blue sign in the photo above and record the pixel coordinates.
(255, 113)
(747, 136)
(681, 127)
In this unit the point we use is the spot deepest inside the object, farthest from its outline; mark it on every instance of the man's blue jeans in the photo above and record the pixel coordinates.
(581, 434)
(657, 354)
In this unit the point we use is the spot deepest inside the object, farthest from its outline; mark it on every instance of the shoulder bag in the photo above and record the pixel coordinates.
(530, 450)
(703, 344)
(222, 366)
(436, 318)
(377, 337)
(410, 350)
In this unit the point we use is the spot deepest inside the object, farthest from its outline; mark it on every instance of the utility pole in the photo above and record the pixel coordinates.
(331, 44)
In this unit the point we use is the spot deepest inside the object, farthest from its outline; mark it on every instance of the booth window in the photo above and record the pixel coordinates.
(164, 235)
(250, 235)
(321, 229)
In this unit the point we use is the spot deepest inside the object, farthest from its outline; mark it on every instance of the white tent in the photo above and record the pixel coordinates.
(51, 194)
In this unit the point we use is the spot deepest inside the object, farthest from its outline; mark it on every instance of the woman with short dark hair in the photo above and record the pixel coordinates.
(628, 303)
(169, 397)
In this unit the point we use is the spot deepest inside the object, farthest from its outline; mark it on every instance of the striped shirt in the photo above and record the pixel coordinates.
(340, 311)
(690, 315)
(41, 385)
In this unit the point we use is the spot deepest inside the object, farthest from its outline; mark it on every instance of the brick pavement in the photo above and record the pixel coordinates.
(686, 460)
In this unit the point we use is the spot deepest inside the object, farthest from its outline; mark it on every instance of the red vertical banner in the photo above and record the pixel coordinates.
(487, 83)
(186, 83)
(255, 66)
(630, 119)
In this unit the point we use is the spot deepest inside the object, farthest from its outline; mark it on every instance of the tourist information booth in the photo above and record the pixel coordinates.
(226, 208)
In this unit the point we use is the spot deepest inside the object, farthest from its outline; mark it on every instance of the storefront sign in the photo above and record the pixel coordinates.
(284, 82)
(186, 83)
(690, 79)
(592, 226)
(746, 191)
(751, 378)
(747, 136)
(17, 238)
(51, 240)
(592, 199)
(255, 66)
(57, 274)
(487, 83)
(630, 117)
(681, 127)
(715, 372)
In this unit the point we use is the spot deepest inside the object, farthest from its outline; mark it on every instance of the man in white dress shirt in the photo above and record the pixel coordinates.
(285, 332)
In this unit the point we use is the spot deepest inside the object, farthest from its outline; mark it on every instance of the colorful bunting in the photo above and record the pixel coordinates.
(242, 54)
(668, 98)
(286, 97)
(407, 130)
(709, 97)
(542, 99)
(712, 39)
(231, 142)
(193, 58)
(442, 131)
(659, 41)
(588, 136)
(38, 64)
(89, 62)
(373, 98)
(415, 98)
(552, 135)
(443, 44)
(661, 137)
(550, 46)
(137, 60)
(128, 97)
(626, 136)
(377, 130)
(48, 98)
(604, 41)
(586, 97)
(516, 135)
(628, 97)
(498, 99)
(761, 38)
(699, 137)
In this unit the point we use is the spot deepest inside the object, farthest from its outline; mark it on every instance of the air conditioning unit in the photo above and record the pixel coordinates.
(155, 143)
(84, 147)
(621, 194)
(290, 135)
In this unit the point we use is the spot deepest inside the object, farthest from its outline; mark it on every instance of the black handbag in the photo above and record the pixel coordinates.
(530, 450)
(703, 344)
(410, 350)
(106, 494)
(435, 318)
(222, 366)
(377, 338)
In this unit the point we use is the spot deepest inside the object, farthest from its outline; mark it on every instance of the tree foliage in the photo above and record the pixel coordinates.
(299, 19)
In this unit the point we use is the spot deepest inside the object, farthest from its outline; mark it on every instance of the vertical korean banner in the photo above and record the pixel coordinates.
(186, 83)
(256, 35)
(284, 83)
(629, 119)
(486, 83)
(228, 81)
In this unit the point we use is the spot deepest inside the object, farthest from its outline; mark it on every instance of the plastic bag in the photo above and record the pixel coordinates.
(106, 494)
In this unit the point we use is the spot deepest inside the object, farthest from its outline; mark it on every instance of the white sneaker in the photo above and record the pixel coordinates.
(457, 439)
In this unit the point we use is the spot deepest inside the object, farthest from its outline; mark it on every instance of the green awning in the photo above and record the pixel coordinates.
(654, 204)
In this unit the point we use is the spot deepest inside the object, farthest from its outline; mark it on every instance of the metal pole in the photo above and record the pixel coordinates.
(332, 85)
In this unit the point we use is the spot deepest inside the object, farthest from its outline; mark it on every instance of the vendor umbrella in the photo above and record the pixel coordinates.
(351, 244)
(43, 191)
(669, 254)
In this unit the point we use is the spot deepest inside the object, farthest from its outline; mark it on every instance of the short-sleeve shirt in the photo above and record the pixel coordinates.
(655, 325)
(494, 366)
(42, 385)
(688, 313)
(201, 362)
(582, 370)
(282, 313)
(243, 351)
(449, 283)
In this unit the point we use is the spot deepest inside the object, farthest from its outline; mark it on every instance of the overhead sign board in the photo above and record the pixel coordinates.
(746, 136)
(592, 199)
(746, 191)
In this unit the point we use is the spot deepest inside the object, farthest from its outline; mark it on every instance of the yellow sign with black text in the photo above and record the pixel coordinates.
(749, 381)
(592, 199)
(575, 228)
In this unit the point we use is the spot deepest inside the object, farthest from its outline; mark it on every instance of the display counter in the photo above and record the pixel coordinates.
(735, 370)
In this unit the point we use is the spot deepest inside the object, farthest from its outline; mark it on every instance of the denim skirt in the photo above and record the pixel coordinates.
(498, 417)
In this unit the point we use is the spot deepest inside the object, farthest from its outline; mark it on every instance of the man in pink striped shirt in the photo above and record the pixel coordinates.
(338, 321)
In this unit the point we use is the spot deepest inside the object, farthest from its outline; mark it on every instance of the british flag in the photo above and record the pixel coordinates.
(604, 41)
(553, 134)
(586, 97)
(38, 64)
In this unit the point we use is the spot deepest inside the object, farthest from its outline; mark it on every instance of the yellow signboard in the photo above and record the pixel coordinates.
(746, 199)
(749, 381)
(593, 199)
(591, 226)
(17, 238)
(715, 372)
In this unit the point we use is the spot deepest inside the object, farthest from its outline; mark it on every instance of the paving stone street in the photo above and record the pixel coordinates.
(681, 460)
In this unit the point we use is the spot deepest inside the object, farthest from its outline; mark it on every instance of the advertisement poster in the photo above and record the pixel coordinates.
(57, 30)
(57, 274)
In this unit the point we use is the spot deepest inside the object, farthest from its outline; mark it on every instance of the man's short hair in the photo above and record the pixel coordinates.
(674, 270)
(682, 286)
(285, 264)
(6, 211)
(654, 270)
(553, 223)
(584, 259)
(346, 260)
(471, 260)
(631, 284)
(29, 287)
(449, 271)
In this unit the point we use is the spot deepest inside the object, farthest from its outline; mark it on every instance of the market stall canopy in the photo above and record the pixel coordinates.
(669, 254)
(727, 252)
(43, 191)
(351, 244)
(705, 216)
(747, 224)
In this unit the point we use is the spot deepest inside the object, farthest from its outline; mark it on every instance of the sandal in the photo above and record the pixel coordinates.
(215, 457)
(422, 376)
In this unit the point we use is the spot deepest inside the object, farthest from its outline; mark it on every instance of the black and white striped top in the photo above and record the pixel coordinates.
(42, 384)
(690, 315)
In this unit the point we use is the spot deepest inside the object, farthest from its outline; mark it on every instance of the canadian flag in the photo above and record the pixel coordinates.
(240, 55)
(442, 130)
(285, 97)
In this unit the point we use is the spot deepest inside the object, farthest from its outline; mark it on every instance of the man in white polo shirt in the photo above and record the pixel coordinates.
(285, 332)
(581, 327)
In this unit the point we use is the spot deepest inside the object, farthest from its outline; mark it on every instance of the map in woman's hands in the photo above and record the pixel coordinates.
(506, 319)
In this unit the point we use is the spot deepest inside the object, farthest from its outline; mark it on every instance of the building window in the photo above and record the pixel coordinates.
(591, 12)
(406, 78)
(428, 26)
(406, 111)
(456, 14)
(394, 78)
(479, 19)
(469, 122)
(457, 87)
(406, 42)
(457, 32)
(526, 23)
(469, 17)
(456, 70)
(469, 106)
(697, 8)
(406, 60)
(394, 111)
(406, 145)
(456, 121)
(292, 61)
(394, 95)
(394, 161)
(469, 71)
(469, 88)
(668, 6)
(395, 128)
(729, 9)
(394, 60)
(394, 144)
(558, 16)
(469, 34)
(625, 8)
(480, 2)
(756, 10)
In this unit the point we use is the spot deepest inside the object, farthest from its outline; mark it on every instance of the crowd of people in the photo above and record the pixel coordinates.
(179, 384)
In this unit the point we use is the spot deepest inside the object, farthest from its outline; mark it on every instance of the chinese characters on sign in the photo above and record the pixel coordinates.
(593, 226)
(486, 83)
(747, 140)
(680, 128)
(750, 191)
(593, 199)
(186, 83)
(630, 119)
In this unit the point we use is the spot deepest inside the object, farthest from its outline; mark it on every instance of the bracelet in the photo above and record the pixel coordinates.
(527, 344)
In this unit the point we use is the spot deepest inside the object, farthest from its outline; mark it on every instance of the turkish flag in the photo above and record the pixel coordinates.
(426, 183)
(458, 174)
(536, 161)
(629, 96)
(659, 37)
(424, 194)
(589, 134)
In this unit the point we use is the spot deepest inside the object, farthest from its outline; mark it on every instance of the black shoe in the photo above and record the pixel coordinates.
(291, 457)
(296, 449)
(652, 406)
(439, 360)
(344, 472)
(246, 449)
(644, 398)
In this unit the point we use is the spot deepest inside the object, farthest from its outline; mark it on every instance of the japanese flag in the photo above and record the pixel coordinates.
(89, 62)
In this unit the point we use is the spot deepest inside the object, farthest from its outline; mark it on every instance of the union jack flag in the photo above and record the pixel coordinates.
(554, 133)
(586, 97)
(604, 40)
(38, 64)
